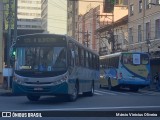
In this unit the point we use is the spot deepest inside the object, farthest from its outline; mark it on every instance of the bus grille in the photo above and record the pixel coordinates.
(38, 83)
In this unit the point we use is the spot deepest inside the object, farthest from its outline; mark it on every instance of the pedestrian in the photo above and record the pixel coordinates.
(156, 78)
(157, 81)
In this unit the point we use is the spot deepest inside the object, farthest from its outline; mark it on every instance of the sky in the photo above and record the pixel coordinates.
(58, 17)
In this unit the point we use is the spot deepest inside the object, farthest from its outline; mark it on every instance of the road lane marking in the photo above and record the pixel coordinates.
(113, 92)
(105, 92)
(97, 93)
(92, 108)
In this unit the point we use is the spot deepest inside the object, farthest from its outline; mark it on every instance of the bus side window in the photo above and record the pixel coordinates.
(82, 57)
(76, 55)
(71, 54)
(87, 61)
(117, 62)
(94, 61)
(79, 55)
(90, 60)
(97, 62)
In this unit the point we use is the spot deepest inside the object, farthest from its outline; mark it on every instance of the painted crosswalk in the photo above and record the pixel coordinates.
(140, 92)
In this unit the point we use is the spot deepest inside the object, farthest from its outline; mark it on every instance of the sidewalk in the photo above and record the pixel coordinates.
(5, 92)
(152, 87)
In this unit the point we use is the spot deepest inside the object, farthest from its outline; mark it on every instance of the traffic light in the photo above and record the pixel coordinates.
(14, 53)
(108, 6)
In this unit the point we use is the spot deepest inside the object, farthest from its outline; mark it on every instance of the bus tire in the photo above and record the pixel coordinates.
(73, 97)
(90, 93)
(134, 89)
(109, 84)
(33, 97)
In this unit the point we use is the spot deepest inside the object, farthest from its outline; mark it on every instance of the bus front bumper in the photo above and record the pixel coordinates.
(134, 82)
(40, 90)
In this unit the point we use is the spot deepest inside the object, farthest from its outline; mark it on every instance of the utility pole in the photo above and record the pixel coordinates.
(7, 72)
(9, 32)
(74, 18)
(87, 39)
(15, 20)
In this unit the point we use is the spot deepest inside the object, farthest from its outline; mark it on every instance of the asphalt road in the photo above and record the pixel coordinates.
(102, 101)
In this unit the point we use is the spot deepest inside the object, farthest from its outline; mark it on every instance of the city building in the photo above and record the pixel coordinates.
(121, 34)
(144, 30)
(82, 24)
(54, 16)
(105, 33)
(29, 14)
(144, 26)
(76, 8)
(86, 29)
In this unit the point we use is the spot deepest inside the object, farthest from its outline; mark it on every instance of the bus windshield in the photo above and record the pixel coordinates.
(135, 59)
(40, 58)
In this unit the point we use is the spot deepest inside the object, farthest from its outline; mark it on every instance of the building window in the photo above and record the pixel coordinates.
(148, 6)
(139, 33)
(131, 9)
(157, 28)
(148, 31)
(140, 5)
(130, 35)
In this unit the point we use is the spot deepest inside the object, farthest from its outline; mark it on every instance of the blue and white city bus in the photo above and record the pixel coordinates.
(125, 69)
(50, 64)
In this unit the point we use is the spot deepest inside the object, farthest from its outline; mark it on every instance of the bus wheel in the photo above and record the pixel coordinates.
(134, 88)
(100, 86)
(109, 84)
(72, 97)
(90, 93)
(33, 97)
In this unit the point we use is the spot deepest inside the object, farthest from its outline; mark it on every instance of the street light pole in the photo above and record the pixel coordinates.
(15, 20)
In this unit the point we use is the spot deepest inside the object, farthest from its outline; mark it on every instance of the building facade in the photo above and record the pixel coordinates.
(54, 16)
(93, 18)
(29, 14)
(144, 25)
(76, 8)
(88, 32)
(104, 32)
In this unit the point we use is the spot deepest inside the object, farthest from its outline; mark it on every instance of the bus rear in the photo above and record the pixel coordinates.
(134, 70)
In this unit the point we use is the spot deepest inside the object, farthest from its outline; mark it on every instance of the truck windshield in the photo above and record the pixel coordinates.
(41, 59)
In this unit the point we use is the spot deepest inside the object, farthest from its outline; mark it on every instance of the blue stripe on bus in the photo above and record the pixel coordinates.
(135, 73)
(133, 82)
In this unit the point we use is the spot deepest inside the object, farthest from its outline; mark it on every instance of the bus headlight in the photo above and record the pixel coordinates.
(63, 79)
(18, 80)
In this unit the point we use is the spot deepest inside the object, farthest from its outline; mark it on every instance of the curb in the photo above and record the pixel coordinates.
(9, 94)
(4, 92)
